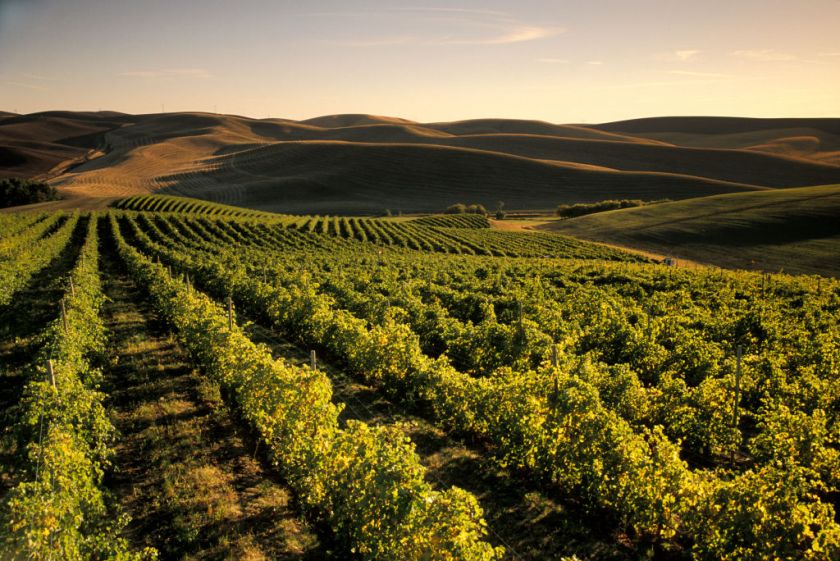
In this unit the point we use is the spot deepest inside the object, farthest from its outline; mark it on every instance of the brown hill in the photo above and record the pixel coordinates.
(365, 163)
(740, 166)
(353, 120)
(816, 139)
(353, 177)
(43, 144)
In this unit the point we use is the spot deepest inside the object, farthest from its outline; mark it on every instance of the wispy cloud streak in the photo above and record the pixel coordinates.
(764, 55)
(463, 26)
(698, 74)
(461, 11)
(199, 73)
(25, 86)
(678, 55)
(517, 34)
(686, 54)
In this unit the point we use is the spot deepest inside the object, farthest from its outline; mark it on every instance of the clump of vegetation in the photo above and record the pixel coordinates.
(17, 191)
(571, 211)
(461, 208)
(500, 211)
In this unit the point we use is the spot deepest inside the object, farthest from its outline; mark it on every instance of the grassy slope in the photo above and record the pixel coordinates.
(793, 229)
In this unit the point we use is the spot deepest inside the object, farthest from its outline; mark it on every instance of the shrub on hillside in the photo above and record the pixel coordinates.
(16, 191)
(461, 208)
(571, 211)
(500, 211)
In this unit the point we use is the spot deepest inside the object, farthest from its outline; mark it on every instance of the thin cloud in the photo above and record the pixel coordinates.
(553, 60)
(518, 34)
(460, 11)
(680, 55)
(465, 26)
(595, 62)
(764, 55)
(698, 74)
(686, 54)
(168, 73)
(829, 54)
(382, 42)
(26, 86)
(395, 10)
(660, 84)
(37, 77)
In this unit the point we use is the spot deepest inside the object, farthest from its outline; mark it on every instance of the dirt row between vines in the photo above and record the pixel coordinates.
(530, 524)
(185, 470)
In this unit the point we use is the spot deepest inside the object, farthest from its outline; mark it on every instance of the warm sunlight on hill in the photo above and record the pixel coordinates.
(365, 163)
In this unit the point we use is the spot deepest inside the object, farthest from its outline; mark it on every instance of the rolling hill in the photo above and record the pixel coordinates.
(813, 139)
(47, 143)
(360, 164)
(343, 177)
(792, 229)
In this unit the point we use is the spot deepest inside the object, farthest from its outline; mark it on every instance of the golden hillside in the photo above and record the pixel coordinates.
(367, 163)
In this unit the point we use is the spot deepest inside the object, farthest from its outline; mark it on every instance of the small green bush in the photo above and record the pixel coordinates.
(461, 208)
(571, 211)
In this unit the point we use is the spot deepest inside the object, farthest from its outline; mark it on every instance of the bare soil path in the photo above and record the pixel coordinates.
(185, 470)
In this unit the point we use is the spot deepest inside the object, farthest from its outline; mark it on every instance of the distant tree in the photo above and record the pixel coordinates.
(461, 208)
(477, 209)
(387, 212)
(500, 210)
(18, 191)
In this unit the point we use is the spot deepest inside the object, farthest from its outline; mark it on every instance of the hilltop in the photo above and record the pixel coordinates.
(362, 164)
(812, 139)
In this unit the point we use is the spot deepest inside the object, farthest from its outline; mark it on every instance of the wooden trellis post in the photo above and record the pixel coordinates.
(230, 313)
(51, 372)
(64, 314)
(737, 387)
(313, 363)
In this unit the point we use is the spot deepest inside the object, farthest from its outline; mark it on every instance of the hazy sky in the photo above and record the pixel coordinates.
(561, 61)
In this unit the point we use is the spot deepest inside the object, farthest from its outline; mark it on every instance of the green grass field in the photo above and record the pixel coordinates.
(793, 229)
